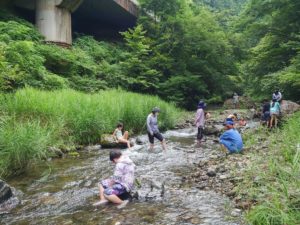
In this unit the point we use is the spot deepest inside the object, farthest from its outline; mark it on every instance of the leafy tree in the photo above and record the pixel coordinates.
(271, 31)
(141, 75)
(192, 44)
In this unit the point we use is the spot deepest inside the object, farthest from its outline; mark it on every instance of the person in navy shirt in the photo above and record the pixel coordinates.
(231, 139)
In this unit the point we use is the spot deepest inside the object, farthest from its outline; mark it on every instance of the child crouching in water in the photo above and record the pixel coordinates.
(120, 138)
(121, 183)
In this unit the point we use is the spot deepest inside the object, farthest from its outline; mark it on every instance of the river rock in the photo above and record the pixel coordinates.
(108, 141)
(236, 213)
(140, 141)
(211, 172)
(223, 177)
(5, 192)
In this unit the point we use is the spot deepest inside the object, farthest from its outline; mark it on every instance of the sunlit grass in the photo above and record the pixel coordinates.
(273, 179)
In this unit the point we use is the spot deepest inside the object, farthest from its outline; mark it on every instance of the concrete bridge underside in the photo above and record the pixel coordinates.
(57, 19)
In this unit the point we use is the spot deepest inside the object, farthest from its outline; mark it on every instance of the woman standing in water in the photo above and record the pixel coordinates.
(152, 128)
(200, 121)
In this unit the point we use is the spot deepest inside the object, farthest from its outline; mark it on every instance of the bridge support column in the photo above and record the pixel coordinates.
(54, 22)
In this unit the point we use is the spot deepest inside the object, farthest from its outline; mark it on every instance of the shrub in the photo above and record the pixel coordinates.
(11, 77)
(15, 29)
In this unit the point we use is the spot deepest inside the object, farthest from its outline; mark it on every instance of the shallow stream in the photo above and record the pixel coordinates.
(62, 191)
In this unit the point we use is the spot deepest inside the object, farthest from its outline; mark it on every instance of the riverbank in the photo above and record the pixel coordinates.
(32, 121)
(63, 190)
(264, 180)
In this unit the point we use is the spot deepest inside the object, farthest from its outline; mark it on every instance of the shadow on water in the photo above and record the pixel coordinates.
(63, 190)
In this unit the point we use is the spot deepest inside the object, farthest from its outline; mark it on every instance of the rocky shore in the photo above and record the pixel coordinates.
(224, 173)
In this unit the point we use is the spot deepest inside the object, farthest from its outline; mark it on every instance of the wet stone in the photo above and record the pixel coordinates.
(201, 186)
(223, 177)
(140, 141)
(211, 172)
(204, 178)
(236, 212)
(92, 148)
(191, 151)
(88, 183)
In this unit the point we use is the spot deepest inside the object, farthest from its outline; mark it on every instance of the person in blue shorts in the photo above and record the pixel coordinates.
(231, 140)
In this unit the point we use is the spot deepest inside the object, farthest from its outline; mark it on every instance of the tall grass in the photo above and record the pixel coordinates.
(274, 179)
(38, 119)
(23, 142)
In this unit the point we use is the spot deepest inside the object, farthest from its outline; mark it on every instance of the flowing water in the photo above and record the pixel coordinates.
(62, 191)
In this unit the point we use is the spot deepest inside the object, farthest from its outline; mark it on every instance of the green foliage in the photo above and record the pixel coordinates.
(13, 30)
(234, 5)
(180, 88)
(276, 187)
(25, 55)
(270, 29)
(11, 77)
(184, 43)
(34, 120)
(193, 49)
(141, 74)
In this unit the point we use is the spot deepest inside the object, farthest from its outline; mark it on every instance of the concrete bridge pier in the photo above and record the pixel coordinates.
(54, 22)
(54, 18)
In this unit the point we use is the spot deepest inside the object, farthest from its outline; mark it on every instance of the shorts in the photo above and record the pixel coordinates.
(157, 136)
(266, 116)
(114, 189)
(275, 113)
(200, 133)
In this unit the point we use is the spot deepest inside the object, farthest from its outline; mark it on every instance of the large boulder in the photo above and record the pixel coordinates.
(289, 107)
(108, 141)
